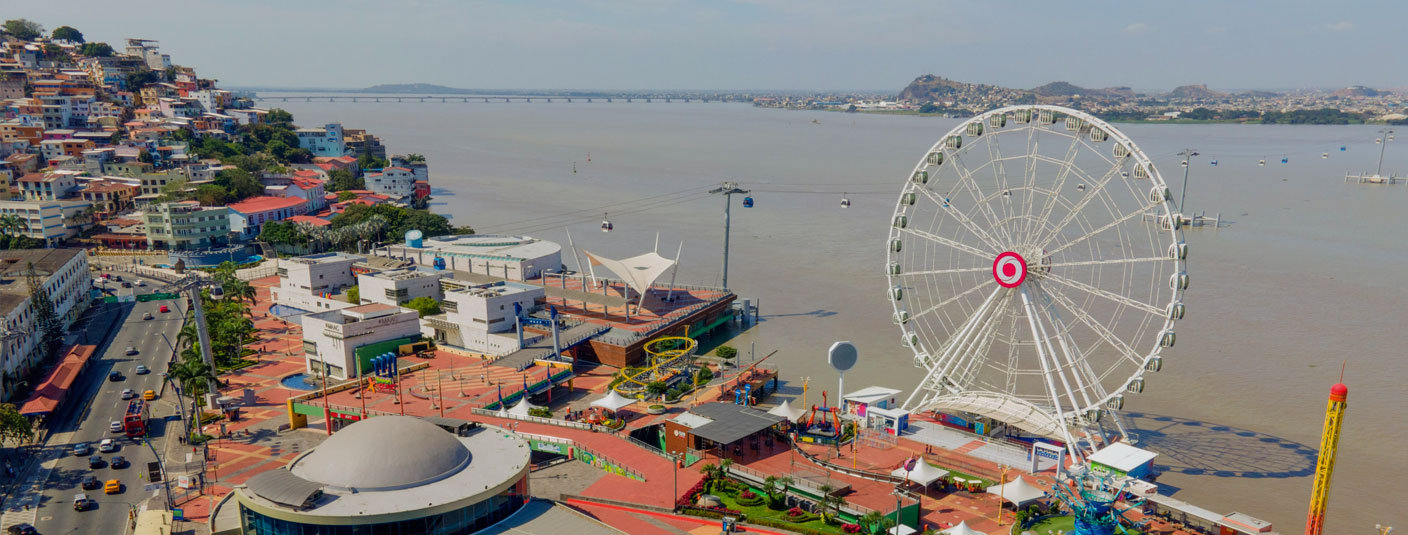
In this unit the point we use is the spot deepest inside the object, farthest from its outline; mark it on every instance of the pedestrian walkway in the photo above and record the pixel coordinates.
(935, 434)
(29, 496)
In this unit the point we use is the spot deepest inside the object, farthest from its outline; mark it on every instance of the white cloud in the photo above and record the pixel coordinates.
(1137, 27)
(1341, 26)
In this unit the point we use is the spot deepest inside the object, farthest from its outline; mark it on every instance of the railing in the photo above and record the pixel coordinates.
(540, 420)
(579, 447)
(649, 448)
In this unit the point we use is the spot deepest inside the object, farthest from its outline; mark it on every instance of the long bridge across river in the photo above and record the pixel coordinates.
(473, 99)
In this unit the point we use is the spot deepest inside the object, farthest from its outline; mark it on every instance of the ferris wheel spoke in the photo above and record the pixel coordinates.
(962, 219)
(1126, 352)
(1105, 262)
(946, 271)
(938, 365)
(951, 300)
(948, 242)
(1117, 222)
(1066, 165)
(965, 344)
(1085, 377)
(1079, 206)
(970, 370)
(1117, 298)
(979, 198)
(999, 175)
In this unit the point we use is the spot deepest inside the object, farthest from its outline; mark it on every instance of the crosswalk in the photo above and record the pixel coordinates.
(23, 507)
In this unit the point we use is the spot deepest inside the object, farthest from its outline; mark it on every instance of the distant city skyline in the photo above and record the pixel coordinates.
(757, 44)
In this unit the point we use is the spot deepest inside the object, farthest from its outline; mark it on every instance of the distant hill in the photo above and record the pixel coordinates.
(1357, 91)
(930, 88)
(1193, 91)
(413, 88)
(1060, 89)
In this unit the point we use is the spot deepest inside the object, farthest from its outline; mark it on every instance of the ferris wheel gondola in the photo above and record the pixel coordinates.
(1028, 301)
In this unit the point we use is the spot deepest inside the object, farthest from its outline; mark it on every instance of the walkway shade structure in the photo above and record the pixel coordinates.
(1018, 492)
(962, 529)
(638, 271)
(923, 473)
(786, 410)
(613, 401)
(522, 409)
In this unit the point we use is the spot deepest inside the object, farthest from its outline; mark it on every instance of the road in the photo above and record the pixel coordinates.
(100, 400)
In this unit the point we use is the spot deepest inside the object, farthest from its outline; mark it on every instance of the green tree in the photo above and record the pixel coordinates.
(354, 295)
(346, 196)
(96, 50)
(726, 352)
(655, 388)
(67, 33)
(240, 183)
(414, 158)
(193, 374)
(278, 116)
(703, 376)
(367, 161)
(49, 326)
(343, 180)
(54, 52)
(23, 29)
(282, 233)
(212, 195)
(427, 306)
(146, 157)
(140, 79)
(14, 427)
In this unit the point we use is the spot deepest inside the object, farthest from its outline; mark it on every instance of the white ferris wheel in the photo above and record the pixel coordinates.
(1026, 278)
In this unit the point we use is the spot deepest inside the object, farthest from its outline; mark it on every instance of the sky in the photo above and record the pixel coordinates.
(757, 44)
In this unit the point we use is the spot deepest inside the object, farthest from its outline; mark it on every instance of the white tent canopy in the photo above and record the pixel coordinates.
(638, 271)
(1017, 491)
(613, 401)
(522, 408)
(962, 529)
(923, 473)
(785, 410)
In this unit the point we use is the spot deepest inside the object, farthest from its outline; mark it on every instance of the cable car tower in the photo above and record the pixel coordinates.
(1385, 136)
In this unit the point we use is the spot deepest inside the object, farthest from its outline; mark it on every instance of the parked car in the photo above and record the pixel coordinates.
(118, 461)
(113, 486)
(115, 376)
(131, 350)
(95, 462)
(128, 394)
(81, 502)
(115, 426)
(107, 446)
(80, 449)
(143, 370)
(91, 482)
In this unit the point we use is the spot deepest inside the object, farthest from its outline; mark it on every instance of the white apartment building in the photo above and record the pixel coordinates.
(51, 221)
(480, 317)
(509, 257)
(319, 273)
(396, 182)
(67, 281)
(325, 141)
(397, 286)
(330, 339)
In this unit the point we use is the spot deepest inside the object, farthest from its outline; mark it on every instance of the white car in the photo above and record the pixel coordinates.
(141, 282)
(128, 394)
(107, 446)
(115, 426)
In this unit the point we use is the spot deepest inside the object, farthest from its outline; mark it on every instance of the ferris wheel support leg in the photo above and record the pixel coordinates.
(1068, 347)
(1071, 446)
(1119, 426)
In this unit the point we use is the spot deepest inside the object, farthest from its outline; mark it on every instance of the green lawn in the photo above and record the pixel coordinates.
(759, 511)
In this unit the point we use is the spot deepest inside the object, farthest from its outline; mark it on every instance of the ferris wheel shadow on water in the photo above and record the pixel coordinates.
(1200, 448)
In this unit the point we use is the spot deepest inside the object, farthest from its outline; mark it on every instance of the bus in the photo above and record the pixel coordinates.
(135, 421)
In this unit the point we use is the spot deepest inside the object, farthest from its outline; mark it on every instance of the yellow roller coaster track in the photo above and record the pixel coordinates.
(669, 355)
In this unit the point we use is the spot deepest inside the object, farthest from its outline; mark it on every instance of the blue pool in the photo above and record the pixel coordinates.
(297, 382)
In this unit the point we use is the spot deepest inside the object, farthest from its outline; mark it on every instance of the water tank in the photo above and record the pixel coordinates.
(413, 238)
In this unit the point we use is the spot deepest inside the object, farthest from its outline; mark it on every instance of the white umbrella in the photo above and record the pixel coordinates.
(613, 401)
(785, 410)
(962, 529)
(522, 409)
(1017, 491)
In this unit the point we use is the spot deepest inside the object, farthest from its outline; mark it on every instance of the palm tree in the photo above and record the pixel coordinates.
(830, 502)
(415, 158)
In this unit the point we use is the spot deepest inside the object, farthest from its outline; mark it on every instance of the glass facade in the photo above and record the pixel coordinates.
(459, 522)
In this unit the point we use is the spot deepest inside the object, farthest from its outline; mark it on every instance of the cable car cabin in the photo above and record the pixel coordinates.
(1080, 187)
(1285, 160)
(1324, 155)
(1261, 163)
(606, 225)
(217, 293)
(1214, 163)
(845, 203)
(747, 202)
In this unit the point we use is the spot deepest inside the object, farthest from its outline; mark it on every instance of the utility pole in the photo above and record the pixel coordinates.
(728, 189)
(1187, 155)
(1383, 136)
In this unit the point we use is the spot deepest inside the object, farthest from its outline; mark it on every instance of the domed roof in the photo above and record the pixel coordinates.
(384, 453)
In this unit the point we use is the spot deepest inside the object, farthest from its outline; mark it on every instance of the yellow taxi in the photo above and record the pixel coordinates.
(113, 486)
(149, 395)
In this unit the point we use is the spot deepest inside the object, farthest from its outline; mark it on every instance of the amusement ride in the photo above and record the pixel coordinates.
(1025, 282)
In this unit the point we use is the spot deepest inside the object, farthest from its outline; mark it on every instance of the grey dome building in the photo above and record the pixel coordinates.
(391, 475)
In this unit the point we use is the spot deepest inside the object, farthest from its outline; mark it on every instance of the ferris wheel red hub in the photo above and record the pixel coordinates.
(1010, 269)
